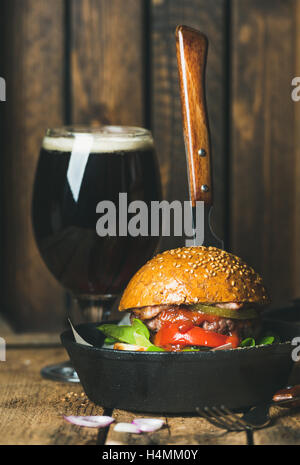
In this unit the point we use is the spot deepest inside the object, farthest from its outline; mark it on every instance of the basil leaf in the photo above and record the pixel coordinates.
(267, 340)
(248, 342)
(269, 334)
(153, 348)
(110, 340)
(123, 333)
(141, 333)
(141, 328)
(137, 334)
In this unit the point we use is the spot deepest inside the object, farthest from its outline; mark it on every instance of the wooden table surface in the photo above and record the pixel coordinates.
(32, 408)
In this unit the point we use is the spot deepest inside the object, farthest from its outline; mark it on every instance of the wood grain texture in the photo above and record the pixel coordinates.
(191, 50)
(284, 429)
(262, 147)
(117, 438)
(5, 328)
(106, 44)
(107, 62)
(208, 17)
(296, 206)
(32, 408)
(32, 340)
(33, 41)
(184, 430)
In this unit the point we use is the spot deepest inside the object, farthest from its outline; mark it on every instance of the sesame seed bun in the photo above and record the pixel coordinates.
(191, 275)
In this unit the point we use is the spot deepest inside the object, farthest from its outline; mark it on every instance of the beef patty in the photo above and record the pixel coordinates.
(156, 316)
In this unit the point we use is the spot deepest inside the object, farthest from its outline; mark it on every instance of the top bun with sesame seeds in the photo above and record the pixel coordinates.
(192, 275)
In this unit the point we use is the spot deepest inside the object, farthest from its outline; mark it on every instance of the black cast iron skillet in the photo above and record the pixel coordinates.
(172, 382)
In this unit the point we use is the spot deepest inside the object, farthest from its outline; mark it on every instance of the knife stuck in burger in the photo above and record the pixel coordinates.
(199, 297)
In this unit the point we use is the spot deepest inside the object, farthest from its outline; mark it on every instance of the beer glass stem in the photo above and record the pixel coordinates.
(95, 308)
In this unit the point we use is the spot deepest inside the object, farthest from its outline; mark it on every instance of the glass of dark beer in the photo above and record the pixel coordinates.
(79, 167)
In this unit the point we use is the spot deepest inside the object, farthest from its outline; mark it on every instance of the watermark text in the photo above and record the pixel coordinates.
(2, 90)
(296, 351)
(154, 218)
(2, 350)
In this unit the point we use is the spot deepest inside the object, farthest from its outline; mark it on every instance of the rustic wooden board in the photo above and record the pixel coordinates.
(194, 430)
(209, 17)
(107, 62)
(32, 410)
(13, 339)
(34, 70)
(117, 438)
(284, 430)
(32, 340)
(177, 430)
(296, 208)
(262, 146)
(5, 328)
(31, 407)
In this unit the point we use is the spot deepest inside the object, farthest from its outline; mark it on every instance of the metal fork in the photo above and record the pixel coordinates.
(224, 418)
(255, 418)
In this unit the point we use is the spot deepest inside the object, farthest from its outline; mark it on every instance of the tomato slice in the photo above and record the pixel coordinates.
(234, 340)
(184, 335)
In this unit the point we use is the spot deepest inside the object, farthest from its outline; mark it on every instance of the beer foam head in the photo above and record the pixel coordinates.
(104, 139)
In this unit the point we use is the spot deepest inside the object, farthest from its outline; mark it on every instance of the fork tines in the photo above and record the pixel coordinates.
(222, 417)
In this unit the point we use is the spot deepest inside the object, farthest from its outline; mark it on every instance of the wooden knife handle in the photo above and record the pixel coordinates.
(288, 395)
(191, 47)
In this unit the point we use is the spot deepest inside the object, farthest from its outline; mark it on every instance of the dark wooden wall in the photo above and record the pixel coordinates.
(113, 61)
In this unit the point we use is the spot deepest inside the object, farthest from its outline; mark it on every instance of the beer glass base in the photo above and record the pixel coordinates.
(95, 308)
(60, 372)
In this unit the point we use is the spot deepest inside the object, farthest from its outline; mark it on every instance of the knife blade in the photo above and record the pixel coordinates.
(191, 50)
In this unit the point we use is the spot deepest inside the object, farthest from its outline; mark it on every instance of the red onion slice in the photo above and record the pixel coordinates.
(127, 428)
(96, 421)
(148, 425)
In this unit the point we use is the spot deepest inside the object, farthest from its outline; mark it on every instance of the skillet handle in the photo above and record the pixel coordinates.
(288, 397)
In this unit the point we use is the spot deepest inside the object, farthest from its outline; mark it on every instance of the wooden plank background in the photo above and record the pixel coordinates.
(166, 111)
(91, 61)
(33, 49)
(107, 75)
(263, 152)
(32, 410)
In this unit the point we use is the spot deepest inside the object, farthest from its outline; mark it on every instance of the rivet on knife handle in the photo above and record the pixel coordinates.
(191, 46)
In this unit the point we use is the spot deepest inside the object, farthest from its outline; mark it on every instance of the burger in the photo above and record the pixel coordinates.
(196, 297)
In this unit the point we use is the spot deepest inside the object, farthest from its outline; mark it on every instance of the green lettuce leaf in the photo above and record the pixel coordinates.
(266, 340)
(248, 342)
(137, 334)
(110, 340)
